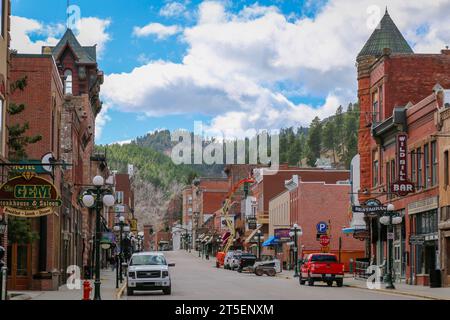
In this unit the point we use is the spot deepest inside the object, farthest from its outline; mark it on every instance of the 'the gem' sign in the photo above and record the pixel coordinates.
(402, 186)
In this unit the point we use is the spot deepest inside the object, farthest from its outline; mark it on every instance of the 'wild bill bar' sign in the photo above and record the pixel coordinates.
(29, 196)
(402, 186)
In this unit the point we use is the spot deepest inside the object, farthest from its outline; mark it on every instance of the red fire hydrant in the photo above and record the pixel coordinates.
(87, 290)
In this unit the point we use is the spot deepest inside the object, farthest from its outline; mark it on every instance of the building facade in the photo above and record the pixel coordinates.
(395, 89)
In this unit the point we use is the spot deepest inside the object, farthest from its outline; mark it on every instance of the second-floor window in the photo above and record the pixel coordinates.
(119, 197)
(434, 163)
(68, 82)
(426, 165)
(375, 172)
(419, 168)
(413, 166)
(377, 104)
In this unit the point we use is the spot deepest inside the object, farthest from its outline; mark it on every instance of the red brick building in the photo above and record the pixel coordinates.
(43, 97)
(395, 89)
(270, 184)
(318, 201)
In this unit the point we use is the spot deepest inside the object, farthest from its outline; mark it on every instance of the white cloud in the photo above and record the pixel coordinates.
(173, 9)
(159, 30)
(92, 31)
(101, 120)
(238, 65)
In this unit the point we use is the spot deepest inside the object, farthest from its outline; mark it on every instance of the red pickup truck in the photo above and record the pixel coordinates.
(321, 267)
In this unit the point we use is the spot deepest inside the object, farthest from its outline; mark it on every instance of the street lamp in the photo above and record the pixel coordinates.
(198, 247)
(390, 220)
(91, 199)
(140, 237)
(259, 235)
(294, 233)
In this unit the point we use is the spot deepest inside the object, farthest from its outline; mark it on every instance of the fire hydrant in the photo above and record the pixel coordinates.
(87, 290)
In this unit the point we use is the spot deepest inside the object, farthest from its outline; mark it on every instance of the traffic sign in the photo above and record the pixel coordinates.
(324, 240)
(322, 227)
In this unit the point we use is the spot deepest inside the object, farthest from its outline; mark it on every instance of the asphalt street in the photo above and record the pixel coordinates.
(194, 278)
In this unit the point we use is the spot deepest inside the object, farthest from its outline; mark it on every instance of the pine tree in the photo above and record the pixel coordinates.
(17, 140)
(19, 229)
(314, 142)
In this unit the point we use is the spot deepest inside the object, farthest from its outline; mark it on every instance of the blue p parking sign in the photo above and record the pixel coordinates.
(322, 227)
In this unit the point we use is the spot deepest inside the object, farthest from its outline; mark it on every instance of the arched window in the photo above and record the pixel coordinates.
(68, 82)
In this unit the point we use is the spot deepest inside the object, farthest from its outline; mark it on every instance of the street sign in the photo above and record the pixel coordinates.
(322, 227)
(416, 240)
(324, 240)
(118, 208)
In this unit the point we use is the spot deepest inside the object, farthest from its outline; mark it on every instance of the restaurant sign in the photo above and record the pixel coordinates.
(402, 186)
(29, 196)
(282, 234)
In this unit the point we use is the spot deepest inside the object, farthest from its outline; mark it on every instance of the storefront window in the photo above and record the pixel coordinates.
(427, 222)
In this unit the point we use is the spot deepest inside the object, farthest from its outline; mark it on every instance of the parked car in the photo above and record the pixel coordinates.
(227, 264)
(321, 267)
(149, 271)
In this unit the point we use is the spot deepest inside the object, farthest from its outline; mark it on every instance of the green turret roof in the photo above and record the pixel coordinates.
(84, 55)
(386, 35)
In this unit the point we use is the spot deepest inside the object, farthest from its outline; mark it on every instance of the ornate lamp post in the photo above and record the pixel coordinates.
(390, 220)
(294, 233)
(96, 198)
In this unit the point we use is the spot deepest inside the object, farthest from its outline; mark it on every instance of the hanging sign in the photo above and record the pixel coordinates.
(133, 225)
(29, 196)
(402, 186)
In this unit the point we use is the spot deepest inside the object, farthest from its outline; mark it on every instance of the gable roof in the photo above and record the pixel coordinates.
(386, 35)
(84, 55)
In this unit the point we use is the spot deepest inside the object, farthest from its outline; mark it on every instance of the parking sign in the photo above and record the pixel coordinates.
(322, 227)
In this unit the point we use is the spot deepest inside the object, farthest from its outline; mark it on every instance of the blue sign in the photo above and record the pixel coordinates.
(322, 227)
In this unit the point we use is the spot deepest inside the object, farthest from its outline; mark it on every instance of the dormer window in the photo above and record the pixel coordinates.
(68, 82)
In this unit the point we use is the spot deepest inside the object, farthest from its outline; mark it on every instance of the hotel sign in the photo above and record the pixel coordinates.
(29, 196)
(402, 186)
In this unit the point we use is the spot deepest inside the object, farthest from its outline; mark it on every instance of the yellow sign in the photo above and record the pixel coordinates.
(133, 225)
(29, 196)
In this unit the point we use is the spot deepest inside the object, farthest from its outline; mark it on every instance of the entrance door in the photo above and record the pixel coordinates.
(19, 266)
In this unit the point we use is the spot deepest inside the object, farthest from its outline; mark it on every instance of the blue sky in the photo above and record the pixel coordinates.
(235, 65)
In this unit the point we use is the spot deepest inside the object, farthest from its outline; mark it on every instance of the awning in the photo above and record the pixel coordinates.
(250, 237)
(270, 242)
(352, 230)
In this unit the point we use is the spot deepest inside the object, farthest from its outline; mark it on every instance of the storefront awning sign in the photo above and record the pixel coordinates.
(29, 196)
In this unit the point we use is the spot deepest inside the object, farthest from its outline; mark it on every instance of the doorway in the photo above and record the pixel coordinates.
(19, 266)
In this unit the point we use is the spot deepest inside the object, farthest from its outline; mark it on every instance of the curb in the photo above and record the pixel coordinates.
(403, 293)
(120, 291)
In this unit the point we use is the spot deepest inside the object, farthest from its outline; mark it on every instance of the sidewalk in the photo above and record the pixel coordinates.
(400, 288)
(108, 291)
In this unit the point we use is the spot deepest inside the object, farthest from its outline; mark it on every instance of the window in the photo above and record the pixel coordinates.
(375, 111)
(375, 173)
(119, 197)
(434, 163)
(446, 168)
(68, 82)
(375, 168)
(427, 222)
(380, 99)
(388, 179)
(413, 167)
(419, 168)
(426, 166)
(393, 178)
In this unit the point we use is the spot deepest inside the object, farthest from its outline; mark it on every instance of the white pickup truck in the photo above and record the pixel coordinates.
(148, 271)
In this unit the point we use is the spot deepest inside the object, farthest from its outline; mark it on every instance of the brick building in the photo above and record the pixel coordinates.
(5, 13)
(269, 184)
(395, 89)
(201, 201)
(43, 97)
(318, 201)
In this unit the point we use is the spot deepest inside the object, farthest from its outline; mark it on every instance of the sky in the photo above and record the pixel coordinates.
(237, 66)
